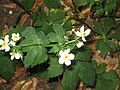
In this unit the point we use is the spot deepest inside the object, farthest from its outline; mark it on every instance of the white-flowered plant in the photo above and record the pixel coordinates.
(16, 37)
(5, 44)
(9, 44)
(66, 57)
(15, 55)
(83, 33)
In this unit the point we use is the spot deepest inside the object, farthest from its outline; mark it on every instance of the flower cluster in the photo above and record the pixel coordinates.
(7, 45)
(82, 34)
(65, 56)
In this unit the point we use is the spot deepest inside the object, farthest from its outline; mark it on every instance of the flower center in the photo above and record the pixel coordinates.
(65, 57)
(84, 34)
(5, 43)
(15, 37)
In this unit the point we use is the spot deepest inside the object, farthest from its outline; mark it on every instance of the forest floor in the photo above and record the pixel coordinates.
(9, 11)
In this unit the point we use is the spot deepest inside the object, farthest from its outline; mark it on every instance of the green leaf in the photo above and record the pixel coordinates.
(80, 3)
(55, 69)
(60, 32)
(84, 56)
(98, 28)
(70, 78)
(52, 3)
(46, 28)
(108, 81)
(6, 67)
(56, 16)
(87, 73)
(105, 47)
(114, 35)
(34, 44)
(33, 38)
(94, 63)
(105, 28)
(101, 68)
(52, 37)
(100, 10)
(43, 38)
(27, 4)
(35, 55)
(55, 48)
(110, 5)
(16, 30)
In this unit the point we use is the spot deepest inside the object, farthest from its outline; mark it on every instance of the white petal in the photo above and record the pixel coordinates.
(71, 56)
(12, 43)
(6, 38)
(78, 33)
(80, 44)
(7, 49)
(2, 48)
(12, 57)
(61, 60)
(61, 53)
(1, 42)
(82, 29)
(83, 38)
(17, 56)
(87, 32)
(67, 62)
(67, 51)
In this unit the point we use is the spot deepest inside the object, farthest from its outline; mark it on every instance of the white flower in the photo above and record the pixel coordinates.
(83, 33)
(15, 55)
(80, 44)
(10, 12)
(15, 37)
(66, 57)
(5, 44)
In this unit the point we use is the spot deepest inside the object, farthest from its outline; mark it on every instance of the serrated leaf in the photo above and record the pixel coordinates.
(94, 63)
(70, 78)
(41, 56)
(98, 28)
(84, 56)
(6, 67)
(108, 81)
(16, 30)
(100, 10)
(86, 73)
(55, 69)
(55, 17)
(52, 37)
(43, 38)
(114, 35)
(35, 55)
(34, 44)
(102, 48)
(105, 47)
(52, 3)
(60, 32)
(110, 5)
(33, 38)
(55, 48)
(101, 68)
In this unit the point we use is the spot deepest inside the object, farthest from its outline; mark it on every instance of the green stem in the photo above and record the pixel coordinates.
(50, 45)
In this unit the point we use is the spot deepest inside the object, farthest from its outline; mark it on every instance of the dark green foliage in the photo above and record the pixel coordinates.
(6, 67)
